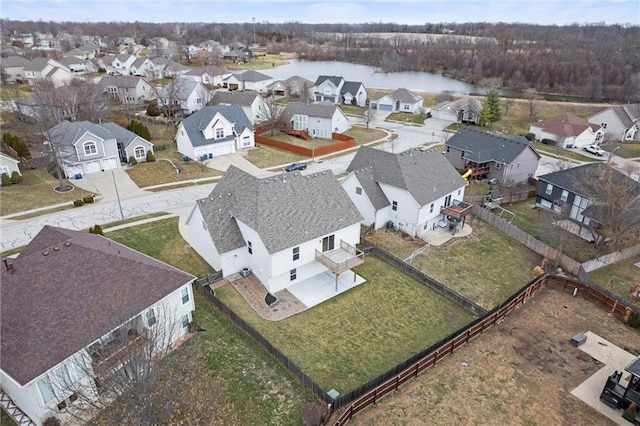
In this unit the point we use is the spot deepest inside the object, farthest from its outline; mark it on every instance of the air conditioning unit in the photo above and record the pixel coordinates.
(245, 272)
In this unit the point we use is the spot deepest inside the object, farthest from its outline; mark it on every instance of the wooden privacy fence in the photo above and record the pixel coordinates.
(342, 142)
(611, 303)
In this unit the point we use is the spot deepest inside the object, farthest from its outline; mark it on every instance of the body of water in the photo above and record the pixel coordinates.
(416, 81)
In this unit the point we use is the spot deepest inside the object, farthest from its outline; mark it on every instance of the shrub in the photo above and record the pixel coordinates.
(530, 137)
(150, 157)
(133, 161)
(5, 180)
(630, 413)
(16, 142)
(548, 142)
(140, 129)
(311, 414)
(88, 199)
(634, 321)
(78, 203)
(97, 229)
(16, 177)
(52, 421)
(52, 169)
(153, 110)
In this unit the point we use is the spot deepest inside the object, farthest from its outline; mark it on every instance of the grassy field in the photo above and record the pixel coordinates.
(13, 91)
(407, 117)
(624, 150)
(265, 156)
(359, 334)
(255, 387)
(34, 192)
(574, 154)
(268, 61)
(486, 267)
(624, 270)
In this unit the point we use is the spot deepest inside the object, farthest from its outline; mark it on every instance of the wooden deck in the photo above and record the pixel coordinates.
(341, 259)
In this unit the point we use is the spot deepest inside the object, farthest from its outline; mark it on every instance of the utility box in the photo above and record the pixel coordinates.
(578, 339)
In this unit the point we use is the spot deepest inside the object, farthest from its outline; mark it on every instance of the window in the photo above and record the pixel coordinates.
(246, 141)
(4, 169)
(46, 390)
(185, 320)
(549, 189)
(498, 166)
(185, 295)
(447, 200)
(358, 190)
(219, 133)
(394, 206)
(328, 243)
(250, 247)
(296, 253)
(293, 274)
(139, 152)
(199, 100)
(90, 148)
(151, 317)
(564, 196)
(406, 107)
(431, 208)
(80, 367)
(62, 375)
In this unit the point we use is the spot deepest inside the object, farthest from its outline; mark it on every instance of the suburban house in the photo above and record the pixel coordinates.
(185, 96)
(25, 40)
(251, 102)
(141, 67)
(319, 120)
(84, 147)
(157, 66)
(508, 161)
(12, 69)
(86, 51)
(284, 228)
(121, 64)
(412, 191)
(47, 69)
(574, 192)
(208, 75)
(73, 305)
(336, 90)
(294, 87)
(568, 131)
(400, 100)
(9, 165)
(465, 110)
(76, 64)
(128, 89)
(174, 69)
(621, 123)
(248, 80)
(215, 130)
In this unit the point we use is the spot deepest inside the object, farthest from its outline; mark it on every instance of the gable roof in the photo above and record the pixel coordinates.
(125, 136)
(120, 80)
(69, 288)
(13, 62)
(278, 208)
(252, 76)
(402, 95)
(426, 175)
(627, 113)
(351, 87)
(68, 132)
(474, 103)
(301, 81)
(322, 109)
(484, 147)
(183, 89)
(244, 98)
(579, 179)
(123, 57)
(196, 122)
(336, 80)
(565, 125)
(36, 64)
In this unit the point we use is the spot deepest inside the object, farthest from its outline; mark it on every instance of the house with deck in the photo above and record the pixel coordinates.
(508, 161)
(337, 90)
(265, 225)
(318, 120)
(414, 191)
(78, 308)
(47, 69)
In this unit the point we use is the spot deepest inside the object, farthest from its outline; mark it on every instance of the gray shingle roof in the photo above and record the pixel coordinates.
(196, 122)
(401, 94)
(426, 175)
(36, 64)
(252, 76)
(285, 210)
(68, 132)
(53, 305)
(333, 78)
(13, 61)
(122, 135)
(351, 87)
(323, 109)
(120, 80)
(182, 89)
(484, 147)
(244, 98)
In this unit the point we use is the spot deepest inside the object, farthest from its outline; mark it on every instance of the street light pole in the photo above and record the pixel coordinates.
(313, 148)
(117, 194)
(254, 30)
(611, 154)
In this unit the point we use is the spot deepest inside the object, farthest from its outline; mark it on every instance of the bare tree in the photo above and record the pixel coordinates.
(369, 115)
(169, 96)
(270, 113)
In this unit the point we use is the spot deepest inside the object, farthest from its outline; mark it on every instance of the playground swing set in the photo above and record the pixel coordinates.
(633, 295)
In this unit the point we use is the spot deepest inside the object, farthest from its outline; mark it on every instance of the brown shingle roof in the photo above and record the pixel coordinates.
(565, 125)
(69, 288)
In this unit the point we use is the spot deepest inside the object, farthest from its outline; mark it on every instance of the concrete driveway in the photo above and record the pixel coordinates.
(222, 163)
(107, 183)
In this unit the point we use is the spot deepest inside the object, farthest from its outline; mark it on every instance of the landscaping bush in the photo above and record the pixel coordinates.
(16, 142)
(150, 157)
(548, 142)
(78, 203)
(140, 129)
(97, 229)
(311, 414)
(16, 177)
(530, 137)
(88, 199)
(630, 413)
(5, 180)
(634, 321)
(153, 110)
(133, 161)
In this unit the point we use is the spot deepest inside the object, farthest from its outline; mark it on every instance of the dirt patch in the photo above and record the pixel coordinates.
(520, 372)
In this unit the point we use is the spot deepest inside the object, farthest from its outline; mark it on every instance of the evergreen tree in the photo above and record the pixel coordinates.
(140, 129)
(485, 115)
(493, 102)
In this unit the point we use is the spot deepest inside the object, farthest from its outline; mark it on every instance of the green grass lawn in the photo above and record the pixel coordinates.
(256, 388)
(362, 333)
(624, 150)
(407, 117)
(5, 419)
(362, 135)
(574, 154)
(625, 270)
(486, 267)
(34, 192)
(265, 156)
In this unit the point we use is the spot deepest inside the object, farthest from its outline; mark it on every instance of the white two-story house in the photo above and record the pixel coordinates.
(284, 228)
(75, 305)
(319, 120)
(337, 90)
(414, 191)
(251, 102)
(215, 130)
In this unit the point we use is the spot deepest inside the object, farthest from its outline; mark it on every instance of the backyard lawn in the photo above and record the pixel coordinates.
(35, 191)
(169, 168)
(362, 135)
(407, 117)
(256, 389)
(486, 267)
(625, 270)
(265, 156)
(362, 333)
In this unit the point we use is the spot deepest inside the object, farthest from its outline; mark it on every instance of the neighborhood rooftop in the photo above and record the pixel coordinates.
(483, 147)
(195, 123)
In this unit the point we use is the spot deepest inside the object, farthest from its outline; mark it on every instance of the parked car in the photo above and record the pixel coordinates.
(594, 149)
(295, 166)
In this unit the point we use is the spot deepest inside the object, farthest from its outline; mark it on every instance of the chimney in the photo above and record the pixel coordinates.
(8, 265)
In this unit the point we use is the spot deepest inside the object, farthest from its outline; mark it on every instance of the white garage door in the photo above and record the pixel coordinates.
(110, 163)
(384, 107)
(92, 167)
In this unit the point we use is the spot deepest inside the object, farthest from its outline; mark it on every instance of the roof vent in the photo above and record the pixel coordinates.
(45, 253)
(56, 248)
(67, 243)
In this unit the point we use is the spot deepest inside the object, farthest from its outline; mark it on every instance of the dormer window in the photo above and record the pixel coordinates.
(219, 133)
(90, 148)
